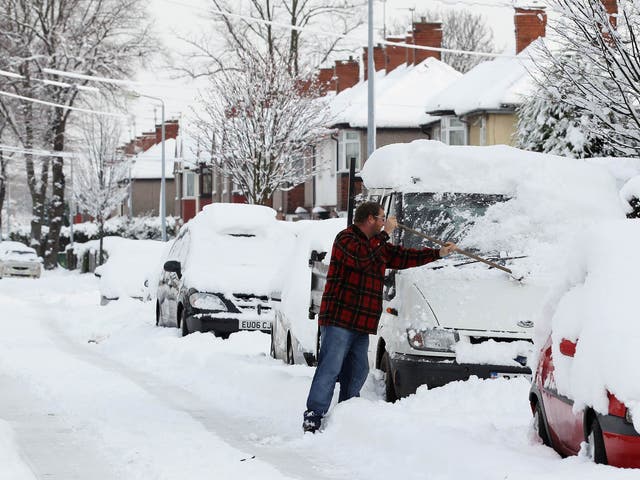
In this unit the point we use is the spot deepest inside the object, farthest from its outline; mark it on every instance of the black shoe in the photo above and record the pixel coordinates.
(311, 422)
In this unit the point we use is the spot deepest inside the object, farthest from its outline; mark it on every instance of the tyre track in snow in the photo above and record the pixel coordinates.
(235, 431)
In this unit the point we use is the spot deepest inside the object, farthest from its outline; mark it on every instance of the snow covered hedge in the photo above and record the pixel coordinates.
(138, 228)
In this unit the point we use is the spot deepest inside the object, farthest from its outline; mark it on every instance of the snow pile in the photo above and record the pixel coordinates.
(549, 197)
(596, 304)
(235, 248)
(631, 189)
(129, 265)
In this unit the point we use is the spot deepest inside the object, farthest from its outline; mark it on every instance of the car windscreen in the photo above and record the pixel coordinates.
(445, 216)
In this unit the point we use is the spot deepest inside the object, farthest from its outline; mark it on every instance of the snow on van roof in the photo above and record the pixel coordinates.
(549, 197)
(595, 303)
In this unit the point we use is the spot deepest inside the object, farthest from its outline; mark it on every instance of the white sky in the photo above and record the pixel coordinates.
(190, 17)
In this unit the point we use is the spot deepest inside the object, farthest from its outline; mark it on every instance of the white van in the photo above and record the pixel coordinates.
(456, 317)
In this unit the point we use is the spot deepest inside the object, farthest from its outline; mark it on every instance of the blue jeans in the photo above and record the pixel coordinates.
(342, 358)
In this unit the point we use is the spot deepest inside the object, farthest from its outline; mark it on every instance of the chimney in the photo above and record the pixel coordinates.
(426, 34)
(379, 59)
(396, 56)
(170, 130)
(325, 81)
(347, 74)
(531, 24)
(611, 6)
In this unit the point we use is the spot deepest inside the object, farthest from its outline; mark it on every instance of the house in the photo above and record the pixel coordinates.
(405, 79)
(481, 107)
(146, 171)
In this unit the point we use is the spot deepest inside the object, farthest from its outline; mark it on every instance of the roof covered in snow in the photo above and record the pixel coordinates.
(491, 85)
(400, 96)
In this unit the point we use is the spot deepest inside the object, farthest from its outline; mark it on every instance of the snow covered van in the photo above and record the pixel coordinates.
(456, 317)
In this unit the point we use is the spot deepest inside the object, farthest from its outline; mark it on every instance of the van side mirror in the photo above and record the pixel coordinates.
(567, 347)
(316, 257)
(389, 285)
(173, 266)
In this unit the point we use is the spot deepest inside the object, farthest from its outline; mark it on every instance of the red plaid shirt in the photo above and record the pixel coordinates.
(352, 297)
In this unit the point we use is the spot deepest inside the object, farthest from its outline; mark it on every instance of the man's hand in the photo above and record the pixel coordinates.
(448, 248)
(390, 225)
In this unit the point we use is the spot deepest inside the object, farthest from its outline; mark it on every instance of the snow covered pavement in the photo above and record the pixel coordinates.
(100, 392)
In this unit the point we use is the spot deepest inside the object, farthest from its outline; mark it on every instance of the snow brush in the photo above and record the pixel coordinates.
(463, 252)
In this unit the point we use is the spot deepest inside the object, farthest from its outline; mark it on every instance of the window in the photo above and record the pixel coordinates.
(188, 184)
(206, 187)
(349, 148)
(453, 131)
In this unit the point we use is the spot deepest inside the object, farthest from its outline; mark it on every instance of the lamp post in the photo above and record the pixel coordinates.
(163, 203)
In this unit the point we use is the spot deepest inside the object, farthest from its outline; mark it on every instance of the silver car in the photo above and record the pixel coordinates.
(19, 260)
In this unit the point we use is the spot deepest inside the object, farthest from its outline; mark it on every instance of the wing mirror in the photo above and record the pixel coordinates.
(173, 266)
(568, 348)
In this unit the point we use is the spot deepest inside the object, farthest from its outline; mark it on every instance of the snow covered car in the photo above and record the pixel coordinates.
(456, 317)
(19, 260)
(586, 389)
(295, 333)
(132, 267)
(221, 269)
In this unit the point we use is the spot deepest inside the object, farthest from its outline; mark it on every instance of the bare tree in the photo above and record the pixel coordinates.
(461, 30)
(101, 174)
(597, 59)
(259, 124)
(95, 37)
(294, 47)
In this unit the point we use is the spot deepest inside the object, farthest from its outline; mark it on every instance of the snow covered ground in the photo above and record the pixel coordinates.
(101, 393)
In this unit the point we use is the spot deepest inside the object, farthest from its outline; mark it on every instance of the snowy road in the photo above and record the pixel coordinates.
(101, 393)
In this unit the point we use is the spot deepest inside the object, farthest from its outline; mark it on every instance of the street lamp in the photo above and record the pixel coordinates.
(163, 215)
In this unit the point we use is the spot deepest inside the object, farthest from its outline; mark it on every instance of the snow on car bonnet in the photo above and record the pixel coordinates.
(547, 197)
(596, 303)
(236, 248)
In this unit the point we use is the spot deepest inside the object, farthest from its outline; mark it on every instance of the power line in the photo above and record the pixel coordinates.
(37, 153)
(50, 82)
(66, 107)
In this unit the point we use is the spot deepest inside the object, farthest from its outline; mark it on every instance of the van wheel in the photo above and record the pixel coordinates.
(389, 387)
(290, 359)
(597, 451)
(539, 425)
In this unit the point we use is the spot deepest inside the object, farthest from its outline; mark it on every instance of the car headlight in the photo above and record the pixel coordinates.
(207, 301)
(434, 339)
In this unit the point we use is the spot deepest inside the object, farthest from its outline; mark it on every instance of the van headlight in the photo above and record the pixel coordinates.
(207, 301)
(434, 339)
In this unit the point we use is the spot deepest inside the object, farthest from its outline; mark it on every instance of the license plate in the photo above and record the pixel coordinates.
(255, 325)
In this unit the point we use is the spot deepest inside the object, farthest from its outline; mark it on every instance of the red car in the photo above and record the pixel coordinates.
(612, 438)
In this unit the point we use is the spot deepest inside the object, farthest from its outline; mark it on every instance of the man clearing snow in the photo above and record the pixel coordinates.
(352, 303)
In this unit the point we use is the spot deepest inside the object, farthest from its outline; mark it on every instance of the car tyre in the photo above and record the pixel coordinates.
(290, 359)
(595, 440)
(539, 425)
(183, 324)
(272, 347)
(390, 393)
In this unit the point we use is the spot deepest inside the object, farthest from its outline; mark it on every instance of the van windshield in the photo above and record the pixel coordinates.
(445, 216)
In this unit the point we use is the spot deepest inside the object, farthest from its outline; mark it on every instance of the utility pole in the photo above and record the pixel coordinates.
(71, 206)
(371, 116)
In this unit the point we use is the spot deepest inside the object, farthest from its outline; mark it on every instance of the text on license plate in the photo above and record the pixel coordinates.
(255, 325)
